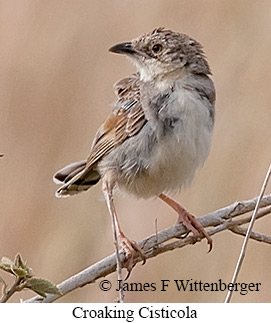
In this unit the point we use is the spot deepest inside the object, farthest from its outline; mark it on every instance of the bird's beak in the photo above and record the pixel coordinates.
(123, 48)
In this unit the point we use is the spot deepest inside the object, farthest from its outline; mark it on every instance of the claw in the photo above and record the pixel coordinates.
(130, 249)
(191, 223)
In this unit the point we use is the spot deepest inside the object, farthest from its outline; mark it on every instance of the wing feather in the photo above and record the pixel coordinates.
(126, 120)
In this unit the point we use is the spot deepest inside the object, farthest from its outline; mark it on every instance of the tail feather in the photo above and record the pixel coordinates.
(75, 178)
(63, 175)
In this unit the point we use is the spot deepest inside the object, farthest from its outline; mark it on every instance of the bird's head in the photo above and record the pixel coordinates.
(164, 52)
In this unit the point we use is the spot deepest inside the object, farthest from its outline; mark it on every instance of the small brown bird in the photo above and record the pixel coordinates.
(158, 133)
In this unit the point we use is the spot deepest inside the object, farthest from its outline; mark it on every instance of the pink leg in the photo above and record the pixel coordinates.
(129, 247)
(188, 220)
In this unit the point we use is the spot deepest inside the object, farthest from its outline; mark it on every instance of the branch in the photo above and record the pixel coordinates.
(16, 287)
(220, 220)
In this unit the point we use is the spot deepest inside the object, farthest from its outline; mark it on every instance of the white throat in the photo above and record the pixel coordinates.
(147, 72)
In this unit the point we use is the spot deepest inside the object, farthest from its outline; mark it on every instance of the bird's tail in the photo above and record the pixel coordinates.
(75, 178)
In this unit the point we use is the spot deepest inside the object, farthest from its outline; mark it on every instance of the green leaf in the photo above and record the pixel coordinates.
(21, 269)
(21, 273)
(19, 261)
(42, 286)
(7, 265)
(17, 268)
(7, 261)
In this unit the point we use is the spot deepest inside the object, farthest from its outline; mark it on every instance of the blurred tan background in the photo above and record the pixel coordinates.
(56, 79)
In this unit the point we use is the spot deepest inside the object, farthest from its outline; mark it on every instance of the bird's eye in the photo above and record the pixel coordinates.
(157, 48)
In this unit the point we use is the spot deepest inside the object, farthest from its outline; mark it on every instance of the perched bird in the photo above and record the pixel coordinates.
(158, 133)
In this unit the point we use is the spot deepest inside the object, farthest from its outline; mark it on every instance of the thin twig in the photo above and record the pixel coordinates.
(248, 234)
(109, 200)
(4, 288)
(254, 235)
(15, 287)
(158, 243)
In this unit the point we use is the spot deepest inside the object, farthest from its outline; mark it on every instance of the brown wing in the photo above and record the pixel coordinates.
(126, 119)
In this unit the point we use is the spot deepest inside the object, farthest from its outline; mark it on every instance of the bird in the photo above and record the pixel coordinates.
(158, 133)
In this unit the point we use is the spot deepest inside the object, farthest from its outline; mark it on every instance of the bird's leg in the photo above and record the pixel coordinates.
(188, 220)
(129, 247)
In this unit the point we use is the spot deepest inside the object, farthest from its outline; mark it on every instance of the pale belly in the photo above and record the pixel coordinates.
(149, 164)
(167, 166)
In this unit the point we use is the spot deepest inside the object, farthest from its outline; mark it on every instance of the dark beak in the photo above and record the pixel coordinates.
(123, 48)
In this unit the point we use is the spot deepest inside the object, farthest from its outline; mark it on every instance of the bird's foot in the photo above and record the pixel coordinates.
(191, 223)
(130, 249)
